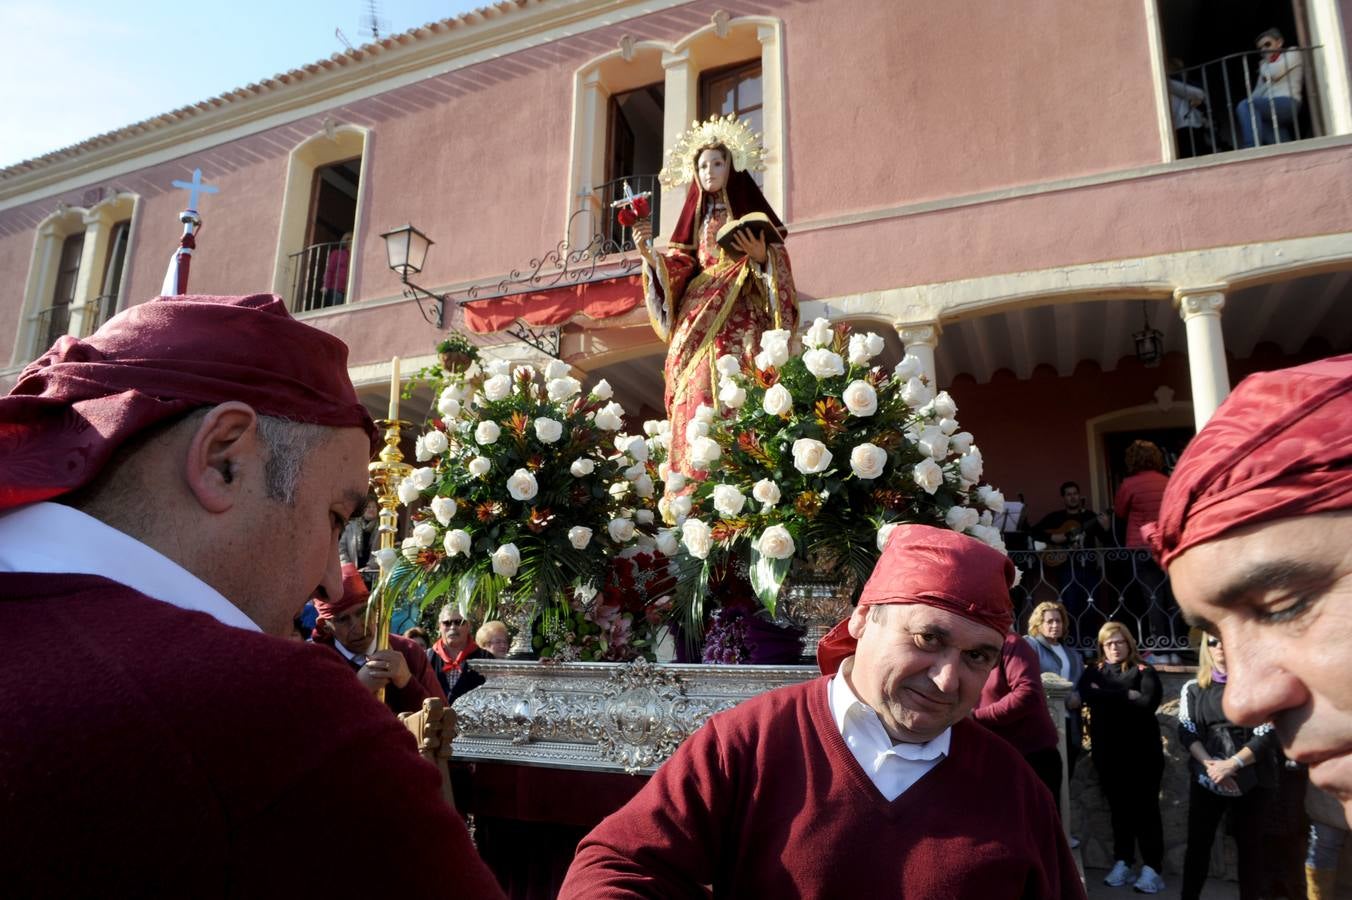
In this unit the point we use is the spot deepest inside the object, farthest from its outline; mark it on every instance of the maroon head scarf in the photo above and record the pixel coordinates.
(1279, 446)
(744, 196)
(83, 399)
(934, 567)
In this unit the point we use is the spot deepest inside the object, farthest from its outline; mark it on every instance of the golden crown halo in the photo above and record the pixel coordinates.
(744, 144)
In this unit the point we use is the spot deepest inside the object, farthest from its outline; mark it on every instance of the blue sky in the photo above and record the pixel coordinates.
(75, 68)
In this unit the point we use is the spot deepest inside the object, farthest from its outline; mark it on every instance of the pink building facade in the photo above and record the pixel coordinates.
(998, 188)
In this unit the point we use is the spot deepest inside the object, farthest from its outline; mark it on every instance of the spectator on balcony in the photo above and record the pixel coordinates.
(1231, 773)
(1138, 504)
(1014, 706)
(451, 654)
(1271, 108)
(1123, 692)
(1185, 109)
(493, 637)
(359, 537)
(335, 271)
(1046, 635)
(1073, 527)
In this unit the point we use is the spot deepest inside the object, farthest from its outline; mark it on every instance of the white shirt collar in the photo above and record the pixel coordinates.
(348, 654)
(55, 539)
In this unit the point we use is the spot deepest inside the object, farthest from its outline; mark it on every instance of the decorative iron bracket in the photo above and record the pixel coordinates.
(546, 340)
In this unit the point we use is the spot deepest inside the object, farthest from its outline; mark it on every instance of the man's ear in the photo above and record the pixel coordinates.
(858, 620)
(223, 449)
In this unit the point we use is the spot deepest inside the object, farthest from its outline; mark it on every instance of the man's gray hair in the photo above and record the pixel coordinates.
(287, 444)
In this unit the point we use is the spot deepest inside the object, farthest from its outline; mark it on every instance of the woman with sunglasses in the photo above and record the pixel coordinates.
(1123, 692)
(1229, 774)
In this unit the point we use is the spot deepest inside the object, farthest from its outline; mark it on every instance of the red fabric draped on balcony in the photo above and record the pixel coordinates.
(595, 299)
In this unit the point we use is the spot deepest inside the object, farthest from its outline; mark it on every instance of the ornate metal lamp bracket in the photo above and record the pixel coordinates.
(546, 340)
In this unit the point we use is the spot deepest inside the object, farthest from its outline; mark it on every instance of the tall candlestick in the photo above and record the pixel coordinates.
(394, 389)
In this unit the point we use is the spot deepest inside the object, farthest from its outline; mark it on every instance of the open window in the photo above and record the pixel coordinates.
(106, 303)
(53, 320)
(634, 154)
(1223, 92)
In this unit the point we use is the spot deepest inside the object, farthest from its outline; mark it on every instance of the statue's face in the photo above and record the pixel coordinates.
(712, 167)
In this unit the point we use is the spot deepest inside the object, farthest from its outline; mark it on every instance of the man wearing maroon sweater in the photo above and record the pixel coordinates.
(868, 782)
(190, 752)
(345, 628)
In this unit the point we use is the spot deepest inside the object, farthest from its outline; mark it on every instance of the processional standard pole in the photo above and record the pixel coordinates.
(386, 472)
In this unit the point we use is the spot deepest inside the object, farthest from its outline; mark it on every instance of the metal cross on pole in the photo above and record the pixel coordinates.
(176, 278)
(195, 188)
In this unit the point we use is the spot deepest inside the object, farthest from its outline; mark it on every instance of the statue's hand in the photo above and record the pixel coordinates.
(752, 245)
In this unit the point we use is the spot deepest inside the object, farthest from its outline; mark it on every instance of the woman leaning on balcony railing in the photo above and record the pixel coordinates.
(1271, 108)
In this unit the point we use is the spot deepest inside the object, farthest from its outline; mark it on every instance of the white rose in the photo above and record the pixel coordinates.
(444, 509)
(456, 542)
(960, 518)
(823, 363)
(944, 406)
(435, 442)
(609, 418)
(560, 389)
(868, 460)
(695, 429)
(643, 486)
(675, 481)
(667, 543)
(948, 426)
(635, 472)
(970, 465)
(644, 517)
(777, 400)
(579, 536)
(603, 390)
(704, 452)
(863, 347)
(819, 334)
(909, 367)
(916, 393)
(810, 456)
(765, 492)
(652, 427)
(581, 466)
(487, 432)
(774, 348)
(548, 430)
(732, 395)
(497, 387)
(860, 398)
(704, 413)
(408, 492)
(961, 442)
(457, 392)
(697, 537)
(728, 364)
(497, 367)
(884, 533)
(479, 466)
(775, 542)
(423, 477)
(990, 498)
(986, 518)
(424, 535)
(618, 489)
(557, 368)
(447, 405)
(933, 442)
(728, 500)
(522, 485)
(420, 451)
(506, 560)
(637, 449)
(928, 475)
(988, 535)
(621, 530)
(681, 506)
(523, 373)
(410, 549)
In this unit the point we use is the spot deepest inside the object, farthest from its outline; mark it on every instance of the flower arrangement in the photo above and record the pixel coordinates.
(620, 622)
(818, 455)
(519, 497)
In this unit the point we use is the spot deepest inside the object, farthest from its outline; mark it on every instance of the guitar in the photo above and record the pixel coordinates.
(1074, 534)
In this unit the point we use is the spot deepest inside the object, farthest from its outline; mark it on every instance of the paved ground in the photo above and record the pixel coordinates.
(1214, 890)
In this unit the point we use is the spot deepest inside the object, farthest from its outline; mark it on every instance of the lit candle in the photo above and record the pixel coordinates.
(394, 389)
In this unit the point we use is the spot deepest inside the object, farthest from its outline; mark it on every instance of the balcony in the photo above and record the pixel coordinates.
(1234, 102)
(317, 276)
(48, 325)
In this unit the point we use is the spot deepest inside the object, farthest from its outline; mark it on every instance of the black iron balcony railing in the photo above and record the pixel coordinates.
(1098, 586)
(97, 311)
(318, 275)
(1245, 100)
(611, 191)
(48, 325)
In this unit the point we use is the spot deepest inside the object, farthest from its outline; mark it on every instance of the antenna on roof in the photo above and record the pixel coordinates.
(373, 22)
(338, 33)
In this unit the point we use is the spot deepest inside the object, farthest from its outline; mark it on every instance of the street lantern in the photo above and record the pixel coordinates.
(406, 250)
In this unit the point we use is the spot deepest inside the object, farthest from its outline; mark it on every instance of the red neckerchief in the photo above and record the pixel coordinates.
(452, 664)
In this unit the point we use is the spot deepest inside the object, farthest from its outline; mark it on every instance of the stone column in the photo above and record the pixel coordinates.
(1200, 309)
(1057, 690)
(680, 107)
(919, 341)
(88, 283)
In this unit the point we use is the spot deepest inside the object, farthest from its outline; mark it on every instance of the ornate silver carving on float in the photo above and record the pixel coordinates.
(626, 717)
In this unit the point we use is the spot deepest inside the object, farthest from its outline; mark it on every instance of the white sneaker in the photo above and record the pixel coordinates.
(1149, 882)
(1120, 874)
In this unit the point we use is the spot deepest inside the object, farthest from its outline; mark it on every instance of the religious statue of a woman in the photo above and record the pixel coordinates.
(709, 297)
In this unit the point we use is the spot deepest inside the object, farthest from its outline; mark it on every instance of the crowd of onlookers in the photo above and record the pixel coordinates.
(1237, 776)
